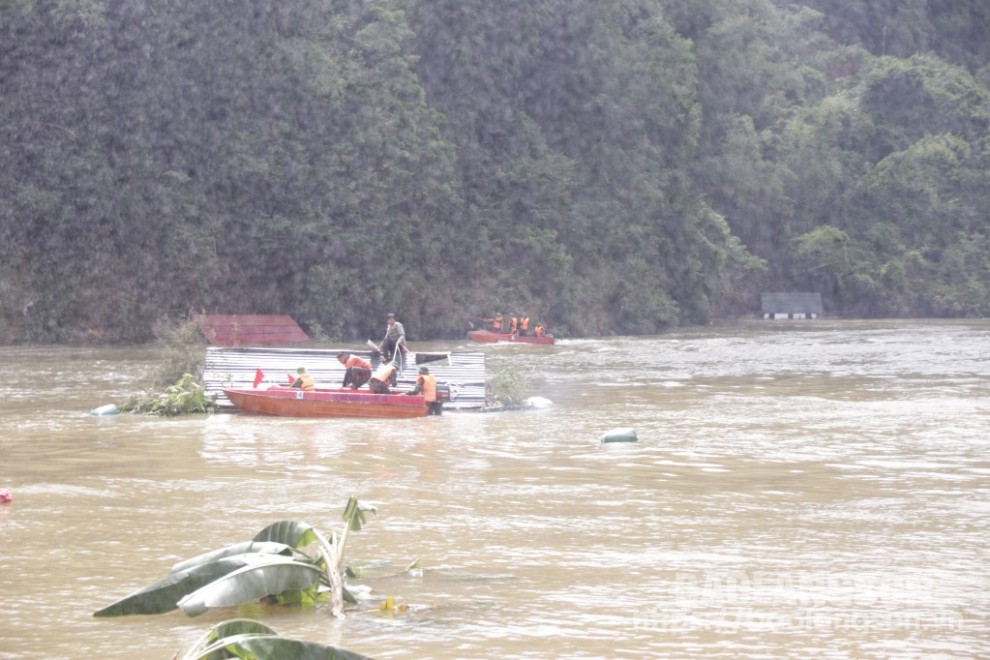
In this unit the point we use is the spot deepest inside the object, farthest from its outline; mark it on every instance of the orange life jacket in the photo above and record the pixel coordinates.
(497, 323)
(539, 330)
(355, 361)
(384, 372)
(305, 382)
(524, 323)
(513, 325)
(429, 390)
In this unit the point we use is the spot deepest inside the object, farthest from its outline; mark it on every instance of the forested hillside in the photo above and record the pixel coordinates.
(605, 167)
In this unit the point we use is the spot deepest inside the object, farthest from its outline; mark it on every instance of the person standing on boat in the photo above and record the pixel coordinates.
(357, 370)
(427, 384)
(394, 342)
(383, 378)
(523, 326)
(498, 323)
(304, 381)
(513, 325)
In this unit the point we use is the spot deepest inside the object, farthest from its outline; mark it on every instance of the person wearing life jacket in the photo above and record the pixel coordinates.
(383, 378)
(539, 330)
(427, 384)
(498, 323)
(303, 381)
(513, 325)
(357, 370)
(524, 325)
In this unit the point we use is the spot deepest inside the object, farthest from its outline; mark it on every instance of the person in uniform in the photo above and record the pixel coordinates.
(303, 381)
(394, 340)
(523, 326)
(427, 384)
(383, 378)
(357, 370)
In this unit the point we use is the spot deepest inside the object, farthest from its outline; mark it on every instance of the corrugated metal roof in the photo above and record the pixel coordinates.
(790, 303)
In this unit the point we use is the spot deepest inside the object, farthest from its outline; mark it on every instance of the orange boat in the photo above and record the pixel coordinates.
(293, 402)
(489, 337)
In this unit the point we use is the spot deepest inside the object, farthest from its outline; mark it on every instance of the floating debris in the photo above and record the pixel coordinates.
(109, 409)
(620, 435)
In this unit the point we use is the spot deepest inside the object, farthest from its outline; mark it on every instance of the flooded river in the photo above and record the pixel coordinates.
(799, 489)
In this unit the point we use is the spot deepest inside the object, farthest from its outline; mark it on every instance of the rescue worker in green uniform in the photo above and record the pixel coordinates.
(427, 384)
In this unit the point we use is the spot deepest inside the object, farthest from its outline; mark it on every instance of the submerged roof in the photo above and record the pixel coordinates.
(248, 329)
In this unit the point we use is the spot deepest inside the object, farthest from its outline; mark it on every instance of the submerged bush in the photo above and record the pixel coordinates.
(508, 387)
(185, 397)
(185, 354)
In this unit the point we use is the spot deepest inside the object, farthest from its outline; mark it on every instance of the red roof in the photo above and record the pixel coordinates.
(250, 329)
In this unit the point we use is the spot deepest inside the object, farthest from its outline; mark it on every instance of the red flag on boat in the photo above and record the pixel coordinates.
(258, 377)
(292, 378)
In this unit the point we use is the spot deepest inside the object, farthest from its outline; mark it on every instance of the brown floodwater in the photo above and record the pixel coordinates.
(798, 489)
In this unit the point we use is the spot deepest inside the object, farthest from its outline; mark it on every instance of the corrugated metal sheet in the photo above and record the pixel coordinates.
(791, 303)
(237, 366)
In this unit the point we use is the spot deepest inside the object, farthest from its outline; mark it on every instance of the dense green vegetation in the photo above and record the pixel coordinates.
(606, 167)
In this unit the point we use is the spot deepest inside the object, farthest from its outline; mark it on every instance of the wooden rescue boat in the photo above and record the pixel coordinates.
(321, 402)
(489, 337)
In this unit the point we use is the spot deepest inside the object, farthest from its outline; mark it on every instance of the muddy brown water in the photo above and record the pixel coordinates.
(799, 489)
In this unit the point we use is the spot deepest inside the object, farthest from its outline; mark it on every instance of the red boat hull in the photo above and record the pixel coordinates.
(288, 402)
(489, 337)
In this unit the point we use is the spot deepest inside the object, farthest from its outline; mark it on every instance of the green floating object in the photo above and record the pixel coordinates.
(109, 409)
(620, 435)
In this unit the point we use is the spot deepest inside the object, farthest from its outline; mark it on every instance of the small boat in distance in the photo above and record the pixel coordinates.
(489, 337)
(322, 402)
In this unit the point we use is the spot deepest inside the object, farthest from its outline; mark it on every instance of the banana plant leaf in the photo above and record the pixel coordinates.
(271, 647)
(302, 596)
(163, 596)
(272, 564)
(354, 514)
(353, 519)
(246, 547)
(269, 575)
(228, 628)
(290, 532)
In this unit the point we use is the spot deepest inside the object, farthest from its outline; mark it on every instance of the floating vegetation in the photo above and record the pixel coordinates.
(288, 562)
(185, 397)
(508, 387)
(184, 354)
